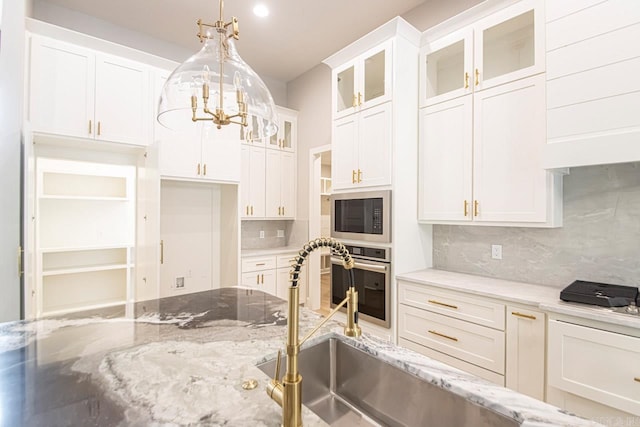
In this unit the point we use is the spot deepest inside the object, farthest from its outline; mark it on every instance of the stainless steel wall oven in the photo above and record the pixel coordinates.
(372, 274)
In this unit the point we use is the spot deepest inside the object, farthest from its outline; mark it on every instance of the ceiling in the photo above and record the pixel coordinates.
(295, 37)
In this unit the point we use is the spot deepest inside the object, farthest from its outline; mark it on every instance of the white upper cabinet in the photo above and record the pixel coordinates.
(482, 125)
(505, 46)
(287, 136)
(363, 82)
(280, 185)
(252, 182)
(75, 91)
(267, 187)
(201, 151)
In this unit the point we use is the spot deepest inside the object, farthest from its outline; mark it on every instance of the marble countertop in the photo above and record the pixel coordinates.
(545, 298)
(182, 361)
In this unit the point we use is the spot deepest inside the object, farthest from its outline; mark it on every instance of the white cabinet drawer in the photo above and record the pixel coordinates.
(595, 364)
(465, 307)
(285, 260)
(475, 344)
(258, 263)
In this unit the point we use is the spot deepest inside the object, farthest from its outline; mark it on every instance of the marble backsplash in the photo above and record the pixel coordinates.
(599, 240)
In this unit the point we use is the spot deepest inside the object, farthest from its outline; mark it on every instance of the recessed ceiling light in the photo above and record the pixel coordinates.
(261, 10)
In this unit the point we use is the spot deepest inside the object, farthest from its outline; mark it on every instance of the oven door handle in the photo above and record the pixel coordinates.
(378, 268)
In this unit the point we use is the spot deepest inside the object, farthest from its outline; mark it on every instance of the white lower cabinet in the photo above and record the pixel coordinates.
(525, 351)
(472, 333)
(583, 376)
(270, 274)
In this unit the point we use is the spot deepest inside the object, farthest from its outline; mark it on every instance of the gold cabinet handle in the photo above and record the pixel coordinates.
(476, 205)
(353, 176)
(198, 168)
(251, 210)
(466, 208)
(359, 176)
(359, 98)
(204, 169)
(161, 251)
(247, 210)
(283, 211)
(526, 316)
(260, 263)
(99, 127)
(432, 301)
(354, 102)
(257, 279)
(90, 127)
(477, 77)
(637, 379)
(262, 279)
(20, 252)
(443, 335)
(466, 80)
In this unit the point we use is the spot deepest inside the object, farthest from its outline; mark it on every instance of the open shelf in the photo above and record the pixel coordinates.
(85, 234)
(77, 291)
(83, 185)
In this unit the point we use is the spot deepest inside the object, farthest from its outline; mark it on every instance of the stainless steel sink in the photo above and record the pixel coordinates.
(348, 387)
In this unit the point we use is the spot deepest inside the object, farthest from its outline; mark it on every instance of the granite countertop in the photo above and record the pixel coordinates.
(545, 298)
(182, 361)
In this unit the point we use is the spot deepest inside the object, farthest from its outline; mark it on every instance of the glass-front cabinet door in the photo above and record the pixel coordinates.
(363, 82)
(285, 138)
(346, 98)
(509, 45)
(446, 68)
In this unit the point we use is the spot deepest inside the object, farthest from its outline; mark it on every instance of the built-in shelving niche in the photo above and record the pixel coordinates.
(85, 234)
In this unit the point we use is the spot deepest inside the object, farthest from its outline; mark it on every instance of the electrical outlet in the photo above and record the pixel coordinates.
(496, 251)
(262, 234)
(179, 282)
(280, 233)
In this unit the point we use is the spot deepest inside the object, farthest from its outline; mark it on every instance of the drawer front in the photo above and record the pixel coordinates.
(478, 345)
(452, 361)
(286, 260)
(258, 263)
(581, 361)
(460, 306)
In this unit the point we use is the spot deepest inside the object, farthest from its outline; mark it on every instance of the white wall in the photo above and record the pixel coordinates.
(310, 94)
(11, 107)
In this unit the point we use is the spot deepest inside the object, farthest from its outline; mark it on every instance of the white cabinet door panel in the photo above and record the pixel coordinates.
(62, 88)
(288, 184)
(446, 144)
(344, 152)
(122, 100)
(525, 349)
(509, 136)
(273, 181)
(179, 153)
(580, 363)
(221, 154)
(374, 150)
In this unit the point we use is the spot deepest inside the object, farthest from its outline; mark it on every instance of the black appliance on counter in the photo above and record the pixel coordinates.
(601, 294)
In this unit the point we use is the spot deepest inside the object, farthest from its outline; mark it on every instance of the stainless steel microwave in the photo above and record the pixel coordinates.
(362, 216)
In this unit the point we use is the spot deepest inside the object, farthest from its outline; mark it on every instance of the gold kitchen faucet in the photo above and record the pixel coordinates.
(288, 391)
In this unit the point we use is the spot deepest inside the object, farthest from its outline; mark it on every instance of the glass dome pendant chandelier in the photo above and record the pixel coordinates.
(216, 85)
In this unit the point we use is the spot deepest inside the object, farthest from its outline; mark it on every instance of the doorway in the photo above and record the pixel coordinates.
(320, 225)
